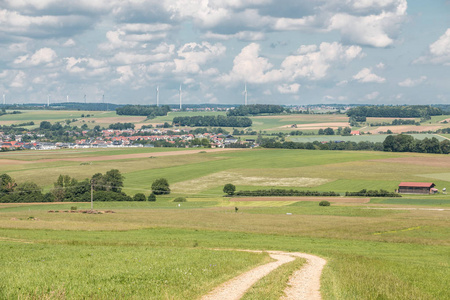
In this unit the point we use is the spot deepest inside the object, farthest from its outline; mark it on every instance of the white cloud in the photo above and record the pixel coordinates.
(372, 29)
(438, 52)
(19, 80)
(408, 82)
(69, 43)
(194, 55)
(288, 88)
(242, 36)
(366, 76)
(372, 96)
(313, 63)
(41, 56)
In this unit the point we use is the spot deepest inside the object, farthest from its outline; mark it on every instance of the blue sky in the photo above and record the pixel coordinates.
(286, 51)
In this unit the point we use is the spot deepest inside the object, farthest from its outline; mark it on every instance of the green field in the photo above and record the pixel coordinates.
(389, 248)
(374, 138)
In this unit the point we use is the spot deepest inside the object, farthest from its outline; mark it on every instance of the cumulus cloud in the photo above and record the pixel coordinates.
(438, 52)
(193, 55)
(372, 96)
(289, 88)
(312, 63)
(41, 56)
(409, 82)
(366, 76)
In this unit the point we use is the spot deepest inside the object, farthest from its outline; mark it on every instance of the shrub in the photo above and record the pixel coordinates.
(324, 203)
(179, 199)
(160, 187)
(73, 208)
(152, 197)
(139, 197)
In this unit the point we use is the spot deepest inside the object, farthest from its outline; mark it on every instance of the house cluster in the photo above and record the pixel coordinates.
(128, 138)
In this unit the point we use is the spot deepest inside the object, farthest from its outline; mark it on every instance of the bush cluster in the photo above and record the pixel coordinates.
(281, 192)
(372, 193)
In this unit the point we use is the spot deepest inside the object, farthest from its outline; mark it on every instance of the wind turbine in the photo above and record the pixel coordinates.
(67, 98)
(245, 94)
(157, 95)
(85, 98)
(103, 98)
(180, 97)
(4, 99)
(48, 100)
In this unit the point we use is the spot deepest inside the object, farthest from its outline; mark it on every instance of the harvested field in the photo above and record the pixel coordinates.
(419, 160)
(124, 119)
(130, 156)
(210, 181)
(13, 162)
(317, 125)
(405, 128)
(330, 199)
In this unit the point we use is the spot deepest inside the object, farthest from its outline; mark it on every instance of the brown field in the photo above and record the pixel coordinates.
(119, 156)
(13, 162)
(419, 160)
(122, 119)
(330, 199)
(405, 128)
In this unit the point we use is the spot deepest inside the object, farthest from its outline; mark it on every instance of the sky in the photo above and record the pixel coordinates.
(291, 52)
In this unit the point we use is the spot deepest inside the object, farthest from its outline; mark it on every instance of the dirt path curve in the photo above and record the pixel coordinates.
(303, 284)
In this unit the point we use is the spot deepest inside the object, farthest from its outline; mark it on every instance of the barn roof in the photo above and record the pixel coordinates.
(417, 184)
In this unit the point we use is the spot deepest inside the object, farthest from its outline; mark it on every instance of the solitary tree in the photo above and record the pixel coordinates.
(160, 187)
(229, 189)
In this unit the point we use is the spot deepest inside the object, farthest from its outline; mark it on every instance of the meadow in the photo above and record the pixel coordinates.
(389, 248)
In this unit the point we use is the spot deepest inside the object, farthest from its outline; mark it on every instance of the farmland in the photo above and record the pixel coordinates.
(149, 250)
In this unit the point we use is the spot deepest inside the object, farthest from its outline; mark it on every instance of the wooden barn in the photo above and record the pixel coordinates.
(416, 188)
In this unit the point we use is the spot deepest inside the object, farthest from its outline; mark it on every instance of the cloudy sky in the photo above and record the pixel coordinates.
(287, 51)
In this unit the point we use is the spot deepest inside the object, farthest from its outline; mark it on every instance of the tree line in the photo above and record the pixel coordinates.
(106, 187)
(255, 109)
(407, 143)
(221, 121)
(403, 111)
(143, 110)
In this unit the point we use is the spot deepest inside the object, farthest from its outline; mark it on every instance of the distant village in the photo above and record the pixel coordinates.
(148, 137)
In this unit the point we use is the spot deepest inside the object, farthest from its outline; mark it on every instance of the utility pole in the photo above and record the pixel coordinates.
(92, 194)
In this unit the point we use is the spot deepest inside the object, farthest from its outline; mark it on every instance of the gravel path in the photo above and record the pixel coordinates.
(303, 284)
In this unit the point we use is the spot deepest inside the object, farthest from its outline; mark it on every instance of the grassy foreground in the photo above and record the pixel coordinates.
(385, 249)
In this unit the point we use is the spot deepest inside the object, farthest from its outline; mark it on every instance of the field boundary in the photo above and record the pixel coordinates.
(296, 199)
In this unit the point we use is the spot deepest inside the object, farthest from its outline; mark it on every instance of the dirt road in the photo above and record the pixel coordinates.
(303, 284)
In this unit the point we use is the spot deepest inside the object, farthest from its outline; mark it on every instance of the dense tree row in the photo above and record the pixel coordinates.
(121, 126)
(284, 193)
(316, 145)
(372, 193)
(255, 109)
(222, 121)
(143, 110)
(405, 111)
(407, 143)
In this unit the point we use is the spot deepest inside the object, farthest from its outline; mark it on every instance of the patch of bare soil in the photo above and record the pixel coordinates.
(330, 199)
(419, 160)
(303, 284)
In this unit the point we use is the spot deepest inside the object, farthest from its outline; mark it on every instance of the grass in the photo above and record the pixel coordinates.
(115, 272)
(371, 253)
(272, 286)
